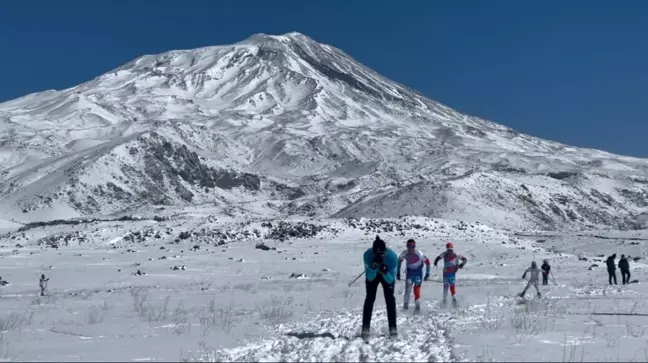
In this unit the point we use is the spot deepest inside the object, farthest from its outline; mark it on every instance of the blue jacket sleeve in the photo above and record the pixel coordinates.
(368, 259)
(391, 260)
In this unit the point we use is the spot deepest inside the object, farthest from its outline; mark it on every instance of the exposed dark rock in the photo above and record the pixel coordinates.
(262, 246)
(298, 276)
(561, 175)
(286, 230)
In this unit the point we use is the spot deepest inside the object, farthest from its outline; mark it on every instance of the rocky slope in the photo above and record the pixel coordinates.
(284, 125)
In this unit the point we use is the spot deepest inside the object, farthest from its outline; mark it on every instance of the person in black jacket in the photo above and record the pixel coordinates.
(546, 270)
(611, 267)
(624, 266)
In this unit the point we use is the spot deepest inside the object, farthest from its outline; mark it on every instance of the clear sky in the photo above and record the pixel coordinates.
(573, 71)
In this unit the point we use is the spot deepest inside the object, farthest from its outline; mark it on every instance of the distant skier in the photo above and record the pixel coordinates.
(43, 284)
(546, 270)
(534, 272)
(450, 268)
(380, 269)
(611, 267)
(624, 266)
(414, 276)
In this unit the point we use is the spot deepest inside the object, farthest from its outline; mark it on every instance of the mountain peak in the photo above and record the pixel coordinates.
(302, 128)
(291, 37)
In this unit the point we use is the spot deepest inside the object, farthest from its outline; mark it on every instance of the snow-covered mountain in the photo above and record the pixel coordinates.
(284, 125)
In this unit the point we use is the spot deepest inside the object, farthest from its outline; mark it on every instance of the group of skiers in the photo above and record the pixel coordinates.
(383, 267)
(624, 266)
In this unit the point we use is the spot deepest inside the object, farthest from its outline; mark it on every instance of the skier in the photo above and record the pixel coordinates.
(624, 266)
(611, 269)
(533, 279)
(450, 268)
(43, 284)
(414, 275)
(546, 270)
(380, 269)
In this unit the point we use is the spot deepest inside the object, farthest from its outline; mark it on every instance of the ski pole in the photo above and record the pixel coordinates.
(553, 279)
(356, 279)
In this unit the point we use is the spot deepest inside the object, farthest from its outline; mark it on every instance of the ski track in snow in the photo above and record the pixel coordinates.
(422, 338)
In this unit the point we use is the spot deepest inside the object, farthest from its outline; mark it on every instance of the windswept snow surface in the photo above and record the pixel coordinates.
(209, 294)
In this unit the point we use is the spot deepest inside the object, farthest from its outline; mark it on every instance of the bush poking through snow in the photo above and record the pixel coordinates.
(140, 297)
(277, 309)
(15, 321)
(214, 315)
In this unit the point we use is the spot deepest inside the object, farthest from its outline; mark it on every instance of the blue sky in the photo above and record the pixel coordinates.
(572, 71)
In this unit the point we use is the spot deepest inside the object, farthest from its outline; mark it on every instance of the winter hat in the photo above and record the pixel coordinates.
(449, 245)
(379, 245)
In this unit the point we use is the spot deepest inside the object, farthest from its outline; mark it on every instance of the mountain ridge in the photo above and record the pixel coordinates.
(324, 135)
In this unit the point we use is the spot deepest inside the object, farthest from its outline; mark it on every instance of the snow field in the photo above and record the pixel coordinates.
(237, 303)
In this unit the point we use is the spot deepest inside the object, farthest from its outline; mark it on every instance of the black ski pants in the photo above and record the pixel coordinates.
(625, 276)
(390, 301)
(545, 279)
(612, 276)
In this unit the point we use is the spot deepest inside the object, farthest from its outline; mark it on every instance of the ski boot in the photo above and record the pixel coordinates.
(444, 303)
(417, 307)
(455, 303)
(405, 306)
(539, 295)
(393, 332)
(521, 295)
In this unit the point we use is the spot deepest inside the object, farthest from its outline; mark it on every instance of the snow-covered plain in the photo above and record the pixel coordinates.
(233, 301)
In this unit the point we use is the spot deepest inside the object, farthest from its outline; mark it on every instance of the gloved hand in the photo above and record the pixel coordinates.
(398, 276)
(426, 277)
(383, 268)
(461, 266)
(374, 265)
(435, 264)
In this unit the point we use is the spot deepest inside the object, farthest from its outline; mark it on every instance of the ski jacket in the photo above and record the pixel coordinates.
(535, 272)
(390, 259)
(610, 264)
(414, 261)
(545, 268)
(43, 283)
(624, 265)
(450, 259)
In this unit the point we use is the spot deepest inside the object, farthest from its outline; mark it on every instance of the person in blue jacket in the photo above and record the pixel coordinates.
(380, 269)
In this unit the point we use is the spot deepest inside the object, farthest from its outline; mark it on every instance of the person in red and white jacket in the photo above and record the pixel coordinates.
(415, 260)
(450, 268)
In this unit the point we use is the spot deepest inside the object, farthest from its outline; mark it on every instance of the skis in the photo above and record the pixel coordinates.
(371, 338)
(452, 305)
